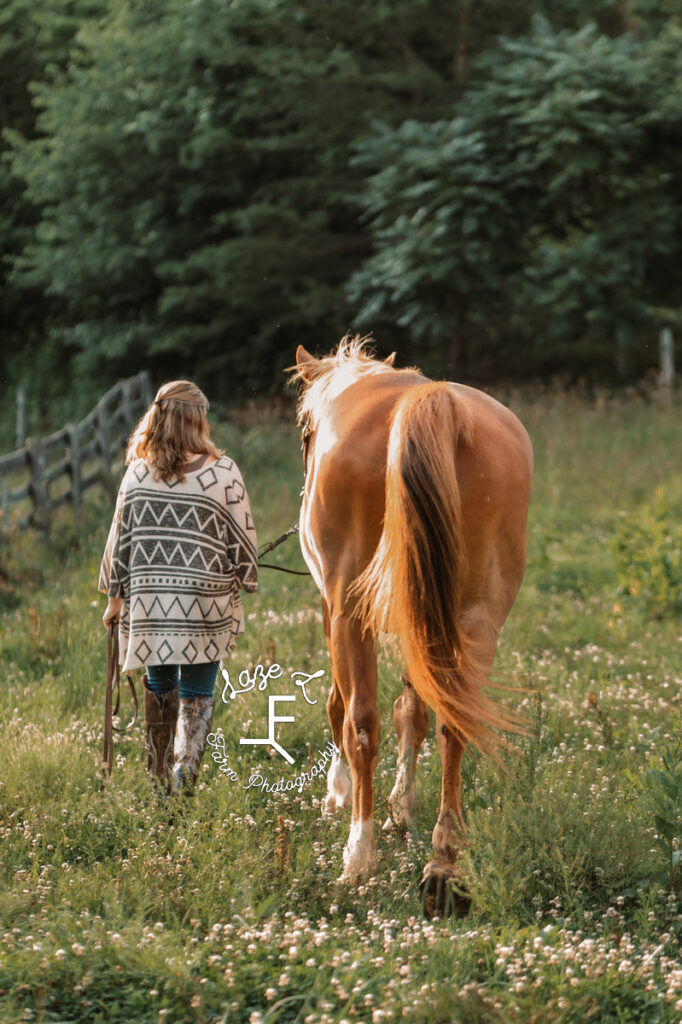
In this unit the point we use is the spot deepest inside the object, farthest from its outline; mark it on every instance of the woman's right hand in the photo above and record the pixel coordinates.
(113, 611)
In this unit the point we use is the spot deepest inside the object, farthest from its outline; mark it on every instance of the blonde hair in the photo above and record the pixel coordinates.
(174, 423)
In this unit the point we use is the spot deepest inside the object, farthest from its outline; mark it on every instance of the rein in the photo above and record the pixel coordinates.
(113, 682)
(271, 547)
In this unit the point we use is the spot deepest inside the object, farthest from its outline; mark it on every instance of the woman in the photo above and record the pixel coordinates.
(181, 543)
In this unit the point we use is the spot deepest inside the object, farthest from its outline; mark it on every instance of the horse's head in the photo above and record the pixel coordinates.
(322, 380)
(307, 369)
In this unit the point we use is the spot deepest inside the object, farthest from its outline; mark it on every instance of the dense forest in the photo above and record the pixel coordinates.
(196, 186)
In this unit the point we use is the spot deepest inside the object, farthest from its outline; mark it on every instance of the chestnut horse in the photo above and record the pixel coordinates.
(413, 522)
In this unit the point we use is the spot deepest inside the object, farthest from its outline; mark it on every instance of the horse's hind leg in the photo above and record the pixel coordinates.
(449, 833)
(411, 718)
(339, 786)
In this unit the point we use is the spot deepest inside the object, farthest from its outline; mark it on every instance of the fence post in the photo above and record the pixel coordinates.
(667, 355)
(104, 445)
(127, 408)
(38, 487)
(21, 418)
(73, 467)
(146, 393)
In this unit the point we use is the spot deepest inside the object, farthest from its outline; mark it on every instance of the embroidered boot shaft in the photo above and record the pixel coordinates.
(194, 724)
(160, 717)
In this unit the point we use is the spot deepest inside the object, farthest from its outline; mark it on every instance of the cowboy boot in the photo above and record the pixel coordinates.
(194, 724)
(160, 717)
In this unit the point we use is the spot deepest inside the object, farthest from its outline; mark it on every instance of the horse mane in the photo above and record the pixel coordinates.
(324, 379)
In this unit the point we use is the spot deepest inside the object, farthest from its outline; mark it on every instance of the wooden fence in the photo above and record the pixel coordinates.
(57, 470)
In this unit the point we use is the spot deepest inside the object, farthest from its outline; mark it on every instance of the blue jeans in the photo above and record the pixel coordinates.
(195, 680)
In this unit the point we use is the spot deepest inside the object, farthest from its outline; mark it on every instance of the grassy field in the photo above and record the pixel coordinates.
(112, 909)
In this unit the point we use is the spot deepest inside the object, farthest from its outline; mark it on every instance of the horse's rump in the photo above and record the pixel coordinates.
(413, 585)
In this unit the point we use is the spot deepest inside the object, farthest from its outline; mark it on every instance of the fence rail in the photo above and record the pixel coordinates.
(52, 471)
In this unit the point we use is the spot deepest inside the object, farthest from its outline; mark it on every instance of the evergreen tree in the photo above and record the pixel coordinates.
(35, 40)
(540, 220)
(199, 185)
(193, 172)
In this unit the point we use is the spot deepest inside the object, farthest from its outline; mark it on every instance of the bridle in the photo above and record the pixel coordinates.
(306, 434)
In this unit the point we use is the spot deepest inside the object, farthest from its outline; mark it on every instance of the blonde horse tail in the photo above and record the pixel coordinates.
(412, 586)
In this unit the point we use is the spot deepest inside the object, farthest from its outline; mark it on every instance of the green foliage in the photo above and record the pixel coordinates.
(193, 178)
(199, 186)
(664, 788)
(647, 547)
(548, 208)
(36, 41)
(441, 222)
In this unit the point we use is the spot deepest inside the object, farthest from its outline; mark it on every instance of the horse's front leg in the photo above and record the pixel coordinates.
(411, 718)
(339, 787)
(354, 666)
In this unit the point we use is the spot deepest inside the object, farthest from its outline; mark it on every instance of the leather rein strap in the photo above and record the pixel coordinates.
(275, 544)
(113, 682)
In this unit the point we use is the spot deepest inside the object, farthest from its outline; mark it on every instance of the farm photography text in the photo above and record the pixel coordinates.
(259, 679)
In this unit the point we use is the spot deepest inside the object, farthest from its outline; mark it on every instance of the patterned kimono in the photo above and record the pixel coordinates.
(177, 554)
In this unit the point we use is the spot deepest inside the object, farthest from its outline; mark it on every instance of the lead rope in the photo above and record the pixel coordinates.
(113, 682)
(275, 543)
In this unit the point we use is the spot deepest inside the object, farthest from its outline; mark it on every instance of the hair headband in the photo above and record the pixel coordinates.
(182, 401)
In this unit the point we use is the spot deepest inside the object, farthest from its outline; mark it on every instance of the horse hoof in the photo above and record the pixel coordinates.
(356, 872)
(442, 894)
(328, 806)
(352, 876)
(399, 828)
(332, 804)
(360, 856)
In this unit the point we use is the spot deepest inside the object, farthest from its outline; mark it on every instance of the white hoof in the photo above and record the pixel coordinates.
(400, 827)
(402, 802)
(339, 787)
(329, 805)
(360, 856)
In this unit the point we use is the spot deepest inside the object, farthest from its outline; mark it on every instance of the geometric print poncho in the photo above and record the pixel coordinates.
(177, 554)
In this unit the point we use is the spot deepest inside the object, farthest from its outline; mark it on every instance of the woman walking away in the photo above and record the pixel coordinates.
(181, 543)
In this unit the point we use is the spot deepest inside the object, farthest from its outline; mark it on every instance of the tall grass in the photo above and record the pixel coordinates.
(115, 907)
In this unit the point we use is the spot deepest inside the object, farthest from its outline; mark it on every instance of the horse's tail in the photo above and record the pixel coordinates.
(412, 586)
